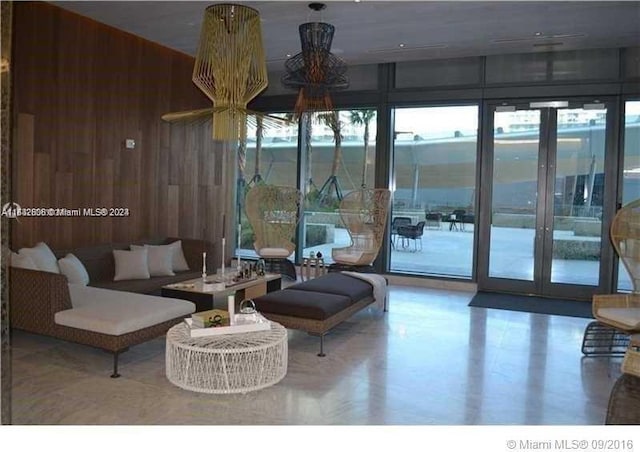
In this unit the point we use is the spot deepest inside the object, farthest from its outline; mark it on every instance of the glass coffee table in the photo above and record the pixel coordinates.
(192, 290)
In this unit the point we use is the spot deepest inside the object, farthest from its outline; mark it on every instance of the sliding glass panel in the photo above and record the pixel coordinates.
(339, 156)
(631, 172)
(434, 165)
(578, 195)
(270, 156)
(514, 198)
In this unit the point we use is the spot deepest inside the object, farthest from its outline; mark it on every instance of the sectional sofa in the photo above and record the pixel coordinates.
(111, 315)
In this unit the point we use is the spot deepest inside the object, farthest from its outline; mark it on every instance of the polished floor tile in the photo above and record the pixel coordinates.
(431, 360)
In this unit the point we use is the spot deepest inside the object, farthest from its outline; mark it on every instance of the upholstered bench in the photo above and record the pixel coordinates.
(317, 305)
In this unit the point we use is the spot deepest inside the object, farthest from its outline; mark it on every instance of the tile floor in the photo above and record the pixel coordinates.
(431, 360)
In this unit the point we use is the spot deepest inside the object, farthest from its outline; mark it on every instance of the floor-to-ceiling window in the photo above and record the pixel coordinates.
(338, 156)
(269, 156)
(434, 188)
(338, 152)
(631, 171)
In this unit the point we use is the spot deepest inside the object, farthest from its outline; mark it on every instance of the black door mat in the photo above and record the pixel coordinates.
(537, 305)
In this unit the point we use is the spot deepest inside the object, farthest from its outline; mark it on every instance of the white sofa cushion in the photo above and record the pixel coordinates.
(159, 259)
(74, 270)
(42, 256)
(274, 252)
(22, 261)
(131, 264)
(629, 317)
(347, 258)
(115, 312)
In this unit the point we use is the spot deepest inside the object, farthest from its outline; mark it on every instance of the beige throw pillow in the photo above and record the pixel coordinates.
(159, 259)
(42, 256)
(22, 261)
(131, 264)
(179, 261)
(74, 270)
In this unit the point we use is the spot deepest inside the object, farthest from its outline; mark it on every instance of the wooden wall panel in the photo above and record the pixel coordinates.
(83, 88)
(23, 192)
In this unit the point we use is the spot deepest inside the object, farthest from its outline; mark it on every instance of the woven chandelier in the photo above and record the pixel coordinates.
(315, 72)
(230, 66)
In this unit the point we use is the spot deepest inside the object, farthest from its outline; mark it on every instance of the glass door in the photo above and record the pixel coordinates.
(543, 233)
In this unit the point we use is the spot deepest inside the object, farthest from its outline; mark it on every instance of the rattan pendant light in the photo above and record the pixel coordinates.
(230, 65)
(315, 72)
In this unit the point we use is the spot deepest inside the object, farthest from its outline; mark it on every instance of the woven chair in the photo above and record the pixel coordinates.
(273, 212)
(364, 213)
(618, 315)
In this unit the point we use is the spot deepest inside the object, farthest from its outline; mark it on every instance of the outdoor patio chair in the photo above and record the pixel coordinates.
(411, 232)
(618, 315)
(433, 219)
(395, 224)
(364, 213)
(273, 212)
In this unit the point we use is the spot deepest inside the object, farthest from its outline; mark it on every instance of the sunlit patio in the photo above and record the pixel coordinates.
(449, 253)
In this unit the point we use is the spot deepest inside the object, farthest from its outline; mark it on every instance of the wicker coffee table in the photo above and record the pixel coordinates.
(228, 363)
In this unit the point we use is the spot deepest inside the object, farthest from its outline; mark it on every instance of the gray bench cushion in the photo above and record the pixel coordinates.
(116, 313)
(151, 285)
(302, 303)
(338, 284)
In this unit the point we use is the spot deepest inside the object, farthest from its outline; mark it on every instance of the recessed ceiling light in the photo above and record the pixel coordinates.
(548, 44)
(401, 45)
(288, 55)
(538, 37)
(538, 33)
(407, 48)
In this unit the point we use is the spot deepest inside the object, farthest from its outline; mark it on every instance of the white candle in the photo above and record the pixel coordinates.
(224, 245)
(231, 307)
(204, 263)
(239, 260)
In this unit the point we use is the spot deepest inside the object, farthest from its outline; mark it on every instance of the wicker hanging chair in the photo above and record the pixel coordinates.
(273, 212)
(618, 315)
(364, 213)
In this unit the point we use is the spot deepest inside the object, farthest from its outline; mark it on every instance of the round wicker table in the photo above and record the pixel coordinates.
(227, 363)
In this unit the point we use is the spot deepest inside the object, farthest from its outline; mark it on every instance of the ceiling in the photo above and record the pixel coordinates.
(373, 31)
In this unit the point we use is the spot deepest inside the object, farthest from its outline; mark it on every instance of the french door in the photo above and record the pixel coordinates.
(548, 199)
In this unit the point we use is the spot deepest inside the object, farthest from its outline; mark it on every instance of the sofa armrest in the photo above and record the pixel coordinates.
(193, 249)
(34, 297)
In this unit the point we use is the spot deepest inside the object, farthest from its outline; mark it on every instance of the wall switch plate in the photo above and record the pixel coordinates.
(129, 143)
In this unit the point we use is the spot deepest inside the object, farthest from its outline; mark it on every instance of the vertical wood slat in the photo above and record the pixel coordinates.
(23, 190)
(104, 198)
(173, 211)
(42, 190)
(64, 196)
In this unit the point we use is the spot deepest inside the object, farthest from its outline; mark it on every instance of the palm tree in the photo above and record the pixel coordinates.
(307, 126)
(332, 120)
(363, 117)
(257, 178)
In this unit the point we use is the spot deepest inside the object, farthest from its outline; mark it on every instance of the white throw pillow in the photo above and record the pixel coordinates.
(179, 261)
(131, 264)
(42, 256)
(22, 261)
(74, 270)
(159, 259)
